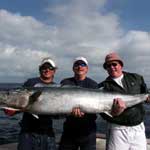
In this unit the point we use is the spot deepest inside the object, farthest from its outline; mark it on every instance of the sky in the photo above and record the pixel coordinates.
(31, 30)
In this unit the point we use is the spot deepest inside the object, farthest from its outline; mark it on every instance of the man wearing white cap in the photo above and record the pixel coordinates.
(79, 128)
(126, 129)
(37, 132)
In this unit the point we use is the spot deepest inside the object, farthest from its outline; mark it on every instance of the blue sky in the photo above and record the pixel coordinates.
(132, 13)
(25, 8)
(65, 29)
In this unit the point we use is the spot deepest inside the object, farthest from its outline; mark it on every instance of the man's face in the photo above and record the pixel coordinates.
(47, 71)
(114, 69)
(80, 68)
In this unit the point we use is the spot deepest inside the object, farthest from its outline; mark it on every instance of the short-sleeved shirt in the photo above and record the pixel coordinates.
(30, 123)
(76, 126)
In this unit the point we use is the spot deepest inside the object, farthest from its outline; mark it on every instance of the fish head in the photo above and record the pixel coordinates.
(15, 98)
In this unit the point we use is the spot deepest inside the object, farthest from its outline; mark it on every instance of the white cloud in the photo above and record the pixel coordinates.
(73, 29)
(84, 30)
(23, 43)
(135, 49)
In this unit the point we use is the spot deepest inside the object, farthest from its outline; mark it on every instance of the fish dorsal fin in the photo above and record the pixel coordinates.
(33, 98)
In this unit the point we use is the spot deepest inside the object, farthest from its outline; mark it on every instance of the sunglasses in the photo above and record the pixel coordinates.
(80, 64)
(45, 68)
(111, 64)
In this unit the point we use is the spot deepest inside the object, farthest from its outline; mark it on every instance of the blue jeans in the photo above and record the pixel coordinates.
(73, 143)
(33, 141)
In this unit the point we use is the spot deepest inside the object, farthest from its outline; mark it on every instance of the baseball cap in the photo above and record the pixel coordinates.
(112, 57)
(81, 59)
(50, 61)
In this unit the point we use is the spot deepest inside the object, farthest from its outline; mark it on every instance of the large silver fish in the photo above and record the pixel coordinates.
(61, 100)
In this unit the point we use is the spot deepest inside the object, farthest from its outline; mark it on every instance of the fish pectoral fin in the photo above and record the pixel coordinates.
(108, 113)
(33, 98)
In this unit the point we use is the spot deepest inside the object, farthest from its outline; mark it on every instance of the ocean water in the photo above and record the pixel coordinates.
(9, 126)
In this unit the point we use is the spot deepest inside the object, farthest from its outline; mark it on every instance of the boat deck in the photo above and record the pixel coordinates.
(13, 146)
(100, 144)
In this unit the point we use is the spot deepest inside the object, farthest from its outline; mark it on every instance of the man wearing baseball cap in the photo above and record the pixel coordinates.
(126, 129)
(37, 131)
(79, 128)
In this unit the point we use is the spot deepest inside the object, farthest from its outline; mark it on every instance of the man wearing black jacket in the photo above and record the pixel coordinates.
(126, 130)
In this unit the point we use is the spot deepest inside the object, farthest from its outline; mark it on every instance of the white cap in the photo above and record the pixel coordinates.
(48, 60)
(82, 59)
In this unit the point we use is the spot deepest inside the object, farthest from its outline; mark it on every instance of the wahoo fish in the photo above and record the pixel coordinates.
(61, 100)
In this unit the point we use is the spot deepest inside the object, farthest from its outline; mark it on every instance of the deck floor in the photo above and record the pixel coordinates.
(13, 146)
(100, 145)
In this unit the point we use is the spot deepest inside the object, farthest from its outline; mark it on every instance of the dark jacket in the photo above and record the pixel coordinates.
(133, 84)
(75, 126)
